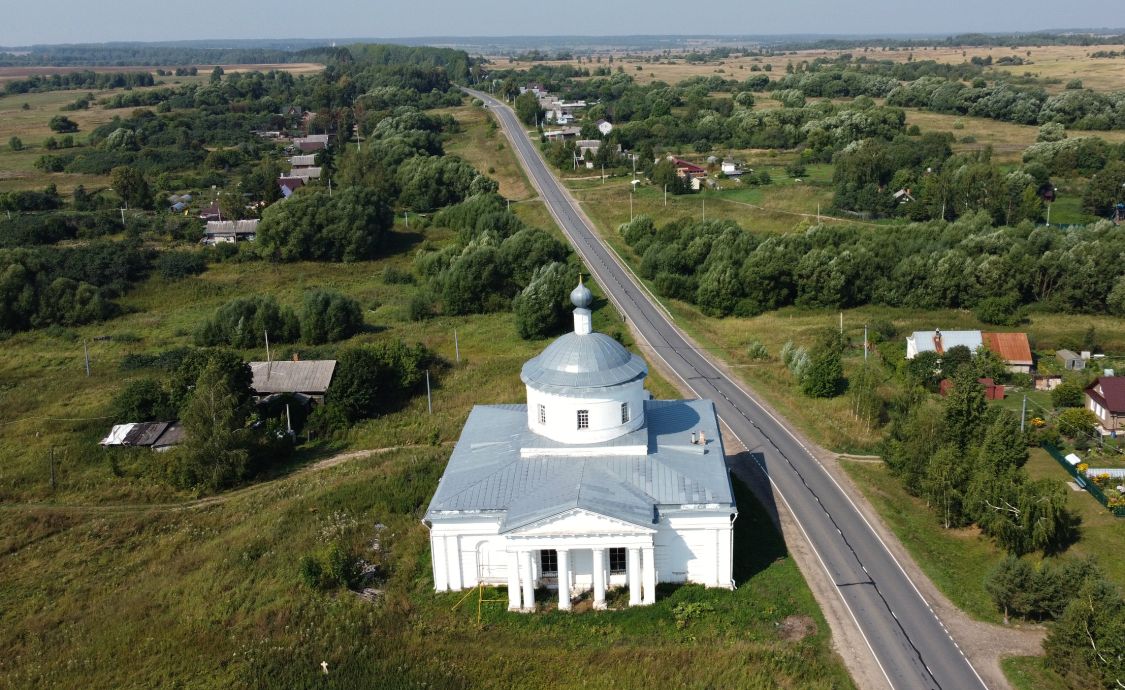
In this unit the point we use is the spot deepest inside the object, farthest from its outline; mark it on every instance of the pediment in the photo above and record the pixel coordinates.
(580, 521)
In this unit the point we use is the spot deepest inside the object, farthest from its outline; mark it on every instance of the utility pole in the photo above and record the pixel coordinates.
(86, 355)
(52, 468)
(406, 217)
(704, 209)
(429, 397)
(269, 360)
(665, 196)
(123, 215)
(864, 342)
(1023, 413)
(818, 214)
(630, 207)
(456, 347)
(841, 322)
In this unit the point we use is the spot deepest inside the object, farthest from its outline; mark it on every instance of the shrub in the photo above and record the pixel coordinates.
(244, 322)
(1067, 394)
(823, 377)
(142, 400)
(334, 567)
(393, 275)
(1076, 422)
(1000, 311)
(374, 379)
(178, 265)
(16, 144)
(756, 350)
(328, 316)
(62, 124)
(796, 169)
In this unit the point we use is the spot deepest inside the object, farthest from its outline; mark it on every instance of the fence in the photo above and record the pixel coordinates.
(1081, 480)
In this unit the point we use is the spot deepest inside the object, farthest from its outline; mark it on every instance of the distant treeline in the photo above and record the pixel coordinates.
(1017, 40)
(79, 80)
(125, 55)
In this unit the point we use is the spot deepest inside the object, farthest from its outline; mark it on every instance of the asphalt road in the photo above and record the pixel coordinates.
(908, 641)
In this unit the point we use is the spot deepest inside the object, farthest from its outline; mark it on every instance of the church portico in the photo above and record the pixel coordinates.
(590, 486)
(574, 566)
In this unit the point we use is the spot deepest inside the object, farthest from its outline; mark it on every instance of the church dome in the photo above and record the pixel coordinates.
(581, 296)
(591, 360)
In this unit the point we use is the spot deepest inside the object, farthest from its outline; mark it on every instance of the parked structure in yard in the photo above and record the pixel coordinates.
(1105, 397)
(590, 484)
(159, 436)
(307, 377)
(219, 231)
(731, 167)
(1071, 361)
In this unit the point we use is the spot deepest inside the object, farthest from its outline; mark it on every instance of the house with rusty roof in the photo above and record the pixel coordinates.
(1105, 397)
(1013, 349)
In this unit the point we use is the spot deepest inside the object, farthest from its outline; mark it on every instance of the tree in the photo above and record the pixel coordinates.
(1008, 584)
(15, 143)
(1105, 190)
(370, 380)
(214, 454)
(824, 376)
(954, 359)
(527, 108)
(130, 184)
(540, 309)
(964, 411)
(1077, 422)
(328, 316)
(1087, 643)
(62, 124)
(944, 485)
(866, 404)
(216, 75)
(1115, 301)
(349, 225)
(1004, 446)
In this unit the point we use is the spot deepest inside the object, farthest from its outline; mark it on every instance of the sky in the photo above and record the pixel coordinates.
(82, 21)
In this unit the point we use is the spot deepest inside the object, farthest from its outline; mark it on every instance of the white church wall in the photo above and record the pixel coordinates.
(604, 414)
(694, 548)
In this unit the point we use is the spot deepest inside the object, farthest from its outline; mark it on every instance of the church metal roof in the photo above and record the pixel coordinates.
(591, 360)
(486, 473)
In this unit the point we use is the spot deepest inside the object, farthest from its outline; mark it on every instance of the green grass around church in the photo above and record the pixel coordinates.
(211, 597)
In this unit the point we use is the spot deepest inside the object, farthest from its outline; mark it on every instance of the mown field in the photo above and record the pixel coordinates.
(1061, 63)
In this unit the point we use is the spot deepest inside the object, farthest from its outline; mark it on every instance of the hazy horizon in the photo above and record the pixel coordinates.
(341, 20)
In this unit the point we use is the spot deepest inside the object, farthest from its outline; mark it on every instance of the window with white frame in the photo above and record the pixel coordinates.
(624, 413)
(549, 561)
(542, 413)
(583, 419)
(617, 560)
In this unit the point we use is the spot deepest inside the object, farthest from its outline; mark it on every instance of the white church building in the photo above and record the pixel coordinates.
(590, 485)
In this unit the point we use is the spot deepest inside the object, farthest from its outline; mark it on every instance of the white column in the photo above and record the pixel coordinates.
(514, 603)
(649, 575)
(527, 574)
(453, 556)
(564, 579)
(599, 578)
(441, 570)
(634, 576)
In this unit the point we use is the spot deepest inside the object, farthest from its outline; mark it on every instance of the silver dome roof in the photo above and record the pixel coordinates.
(593, 360)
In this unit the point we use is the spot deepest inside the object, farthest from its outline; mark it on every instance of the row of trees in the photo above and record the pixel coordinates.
(326, 316)
(966, 458)
(727, 270)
